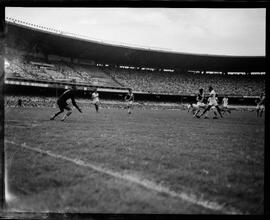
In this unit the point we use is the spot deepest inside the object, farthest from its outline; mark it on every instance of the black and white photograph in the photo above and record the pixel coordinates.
(125, 110)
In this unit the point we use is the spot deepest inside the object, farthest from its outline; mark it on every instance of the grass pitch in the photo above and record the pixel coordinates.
(215, 161)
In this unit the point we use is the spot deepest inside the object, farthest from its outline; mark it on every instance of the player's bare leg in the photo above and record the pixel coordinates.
(66, 115)
(258, 112)
(225, 109)
(215, 117)
(193, 110)
(219, 112)
(56, 114)
(228, 110)
(261, 113)
(205, 110)
(196, 113)
(206, 115)
(189, 107)
(96, 107)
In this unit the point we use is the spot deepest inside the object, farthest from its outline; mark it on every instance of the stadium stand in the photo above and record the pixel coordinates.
(94, 75)
(18, 66)
(139, 80)
(188, 83)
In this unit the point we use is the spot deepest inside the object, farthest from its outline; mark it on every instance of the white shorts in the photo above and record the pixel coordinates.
(130, 103)
(200, 104)
(213, 103)
(96, 102)
(260, 107)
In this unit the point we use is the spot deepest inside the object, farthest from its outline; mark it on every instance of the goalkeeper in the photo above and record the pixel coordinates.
(62, 103)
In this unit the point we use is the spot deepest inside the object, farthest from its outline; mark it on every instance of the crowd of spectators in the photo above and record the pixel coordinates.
(20, 67)
(139, 80)
(14, 69)
(29, 101)
(94, 75)
(188, 83)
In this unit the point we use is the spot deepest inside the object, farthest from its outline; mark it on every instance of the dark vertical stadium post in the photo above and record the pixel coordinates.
(2, 77)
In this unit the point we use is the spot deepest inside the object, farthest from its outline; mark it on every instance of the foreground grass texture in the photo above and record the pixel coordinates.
(218, 160)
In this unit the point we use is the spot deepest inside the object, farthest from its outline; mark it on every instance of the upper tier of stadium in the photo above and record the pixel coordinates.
(51, 41)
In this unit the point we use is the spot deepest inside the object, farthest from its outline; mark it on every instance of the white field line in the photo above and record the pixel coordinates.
(135, 179)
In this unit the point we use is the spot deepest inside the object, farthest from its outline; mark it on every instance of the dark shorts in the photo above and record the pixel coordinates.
(63, 105)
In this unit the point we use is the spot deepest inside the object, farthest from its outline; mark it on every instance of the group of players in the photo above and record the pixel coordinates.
(198, 110)
(70, 94)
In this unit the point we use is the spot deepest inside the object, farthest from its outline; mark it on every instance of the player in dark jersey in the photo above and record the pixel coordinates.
(129, 98)
(62, 103)
(200, 104)
(260, 105)
(19, 102)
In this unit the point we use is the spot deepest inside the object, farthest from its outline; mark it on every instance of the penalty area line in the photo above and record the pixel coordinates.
(137, 180)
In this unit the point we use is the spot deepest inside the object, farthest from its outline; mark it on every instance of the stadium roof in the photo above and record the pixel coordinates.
(71, 46)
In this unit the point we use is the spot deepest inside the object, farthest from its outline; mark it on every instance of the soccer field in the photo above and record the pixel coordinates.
(152, 161)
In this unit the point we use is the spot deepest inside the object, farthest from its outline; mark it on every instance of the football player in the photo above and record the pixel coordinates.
(200, 105)
(95, 98)
(129, 98)
(260, 105)
(212, 103)
(63, 105)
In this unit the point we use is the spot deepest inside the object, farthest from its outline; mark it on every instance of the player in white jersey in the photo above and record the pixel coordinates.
(212, 109)
(129, 98)
(212, 103)
(225, 103)
(95, 98)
